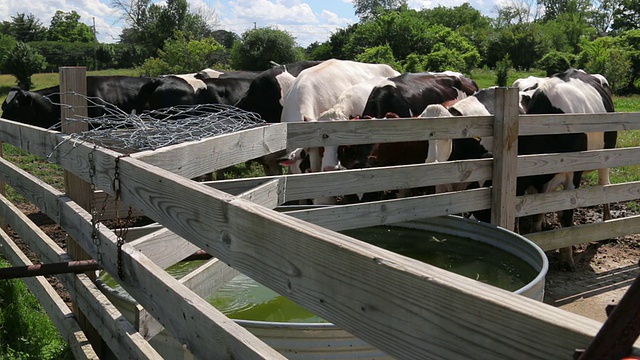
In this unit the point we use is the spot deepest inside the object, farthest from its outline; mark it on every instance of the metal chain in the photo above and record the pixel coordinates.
(122, 228)
(95, 239)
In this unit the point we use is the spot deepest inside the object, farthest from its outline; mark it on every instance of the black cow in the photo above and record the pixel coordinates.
(223, 90)
(39, 107)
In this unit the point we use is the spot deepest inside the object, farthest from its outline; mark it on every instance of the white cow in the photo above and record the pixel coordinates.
(318, 88)
(350, 104)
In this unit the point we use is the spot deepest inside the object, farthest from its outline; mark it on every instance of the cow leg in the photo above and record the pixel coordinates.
(566, 220)
(603, 179)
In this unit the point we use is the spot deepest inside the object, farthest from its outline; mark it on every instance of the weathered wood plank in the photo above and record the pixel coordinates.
(269, 195)
(582, 197)
(163, 247)
(398, 210)
(580, 234)
(584, 160)
(325, 133)
(238, 186)
(332, 183)
(202, 157)
(505, 152)
(565, 123)
(230, 338)
(60, 314)
(104, 317)
(203, 281)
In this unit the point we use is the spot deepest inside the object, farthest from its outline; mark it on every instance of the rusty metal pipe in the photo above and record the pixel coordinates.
(75, 267)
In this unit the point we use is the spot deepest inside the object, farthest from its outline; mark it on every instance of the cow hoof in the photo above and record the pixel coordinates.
(568, 266)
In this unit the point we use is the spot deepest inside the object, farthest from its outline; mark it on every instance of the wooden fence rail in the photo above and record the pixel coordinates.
(404, 307)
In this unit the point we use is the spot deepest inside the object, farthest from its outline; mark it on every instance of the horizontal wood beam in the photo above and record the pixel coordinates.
(205, 156)
(580, 234)
(374, 213)
(106, 319)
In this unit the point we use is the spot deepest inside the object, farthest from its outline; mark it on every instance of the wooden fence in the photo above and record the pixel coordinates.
(406, 308)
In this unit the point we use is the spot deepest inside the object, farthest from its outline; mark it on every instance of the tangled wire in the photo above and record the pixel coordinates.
(150, 130)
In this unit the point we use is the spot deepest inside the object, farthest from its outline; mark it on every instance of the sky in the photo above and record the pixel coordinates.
(306, 20)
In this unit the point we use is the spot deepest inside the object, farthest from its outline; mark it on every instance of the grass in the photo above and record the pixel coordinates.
(26, 332)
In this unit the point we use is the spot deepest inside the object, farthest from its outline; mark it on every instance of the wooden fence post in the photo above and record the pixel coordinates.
(74, 80)
(505, 158)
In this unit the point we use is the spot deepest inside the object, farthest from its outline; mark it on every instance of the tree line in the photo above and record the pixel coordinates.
(600, 36)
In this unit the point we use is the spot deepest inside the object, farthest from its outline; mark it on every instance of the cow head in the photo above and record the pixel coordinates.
(30, 108)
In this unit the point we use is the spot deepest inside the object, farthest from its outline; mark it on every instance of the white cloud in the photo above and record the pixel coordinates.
(272, 11)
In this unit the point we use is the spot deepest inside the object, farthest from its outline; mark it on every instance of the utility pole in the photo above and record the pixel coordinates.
(95, 46)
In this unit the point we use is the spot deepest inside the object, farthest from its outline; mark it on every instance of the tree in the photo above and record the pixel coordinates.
(465, 20)
(502, 71)
(25, 28)
(521, 41)
(603, 15)
(335, 46)
(626, 16)
(371, 9)
(225, 38)
(555, 62)
(257, 48)
(67, 27)
(554, 8)
(7, 44)
(379, 55)
(151, 24)
(179, 56)
(24, 62)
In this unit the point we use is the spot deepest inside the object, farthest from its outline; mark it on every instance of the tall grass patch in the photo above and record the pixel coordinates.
(26, 332)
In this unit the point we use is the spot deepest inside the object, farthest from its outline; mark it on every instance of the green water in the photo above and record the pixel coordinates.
(244, 298)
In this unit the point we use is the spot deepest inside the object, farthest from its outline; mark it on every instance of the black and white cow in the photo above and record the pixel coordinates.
(265, 97)
(173, 90)
(404, 96)
(40, 107)
(266, 92)
(409, 94)
(572, 91)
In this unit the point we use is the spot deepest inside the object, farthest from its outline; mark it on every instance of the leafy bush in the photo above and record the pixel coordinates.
(22, 62)
(555, 62)
(258, 47)
(502, 70)
(180, 56)
(26, 332)
(379, 55)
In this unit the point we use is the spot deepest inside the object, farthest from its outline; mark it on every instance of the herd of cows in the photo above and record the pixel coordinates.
(342, 90)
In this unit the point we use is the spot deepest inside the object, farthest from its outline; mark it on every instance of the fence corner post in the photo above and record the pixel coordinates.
(505, 158)
(73, 89)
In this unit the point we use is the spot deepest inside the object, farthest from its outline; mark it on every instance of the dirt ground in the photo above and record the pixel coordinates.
(604, 270)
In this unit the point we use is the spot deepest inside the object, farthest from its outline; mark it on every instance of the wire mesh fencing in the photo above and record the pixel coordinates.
(150, 130)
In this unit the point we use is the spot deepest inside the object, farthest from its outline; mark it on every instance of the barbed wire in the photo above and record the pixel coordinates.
(151, 130)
